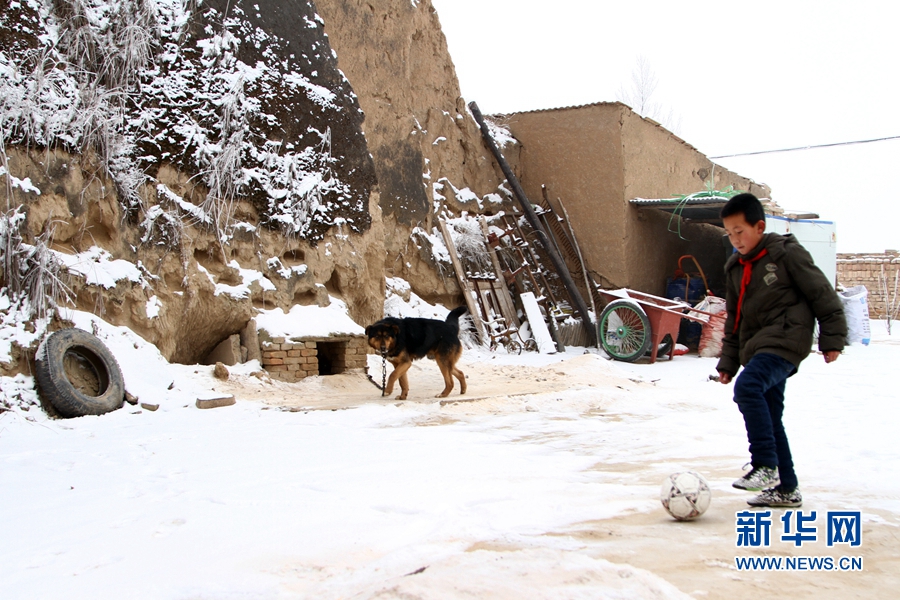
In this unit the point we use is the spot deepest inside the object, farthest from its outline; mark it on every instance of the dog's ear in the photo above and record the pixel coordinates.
(369, 331)
(395, 329)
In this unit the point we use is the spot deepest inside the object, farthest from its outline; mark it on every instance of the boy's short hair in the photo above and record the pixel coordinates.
(746, 204)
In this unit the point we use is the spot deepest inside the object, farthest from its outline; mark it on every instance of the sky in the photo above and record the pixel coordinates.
(734, 77)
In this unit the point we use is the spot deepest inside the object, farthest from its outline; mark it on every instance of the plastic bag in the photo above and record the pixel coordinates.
(713, 330)
(856, 311)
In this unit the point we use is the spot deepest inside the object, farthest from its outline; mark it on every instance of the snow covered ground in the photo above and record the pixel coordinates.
(541, 482)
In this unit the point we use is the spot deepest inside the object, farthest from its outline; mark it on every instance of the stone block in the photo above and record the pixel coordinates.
(228, 352)
(250, 340)
(221, 372)
(215, 401)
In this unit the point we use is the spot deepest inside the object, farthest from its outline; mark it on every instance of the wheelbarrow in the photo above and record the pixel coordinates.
(634, 322)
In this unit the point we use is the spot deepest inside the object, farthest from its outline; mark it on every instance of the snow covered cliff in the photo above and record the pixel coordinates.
(215, 146)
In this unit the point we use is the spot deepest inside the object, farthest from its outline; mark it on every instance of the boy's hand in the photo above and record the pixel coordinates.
(831, 355)
(724, 377)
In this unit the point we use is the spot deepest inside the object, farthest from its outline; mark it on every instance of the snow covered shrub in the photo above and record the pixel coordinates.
(30, 274)
(470, 245)
(110, 42)
(257, 111)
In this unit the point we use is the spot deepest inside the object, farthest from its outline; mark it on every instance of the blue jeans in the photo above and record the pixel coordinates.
(759, 394)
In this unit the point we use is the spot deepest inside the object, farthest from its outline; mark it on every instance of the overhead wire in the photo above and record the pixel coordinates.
(893, 137)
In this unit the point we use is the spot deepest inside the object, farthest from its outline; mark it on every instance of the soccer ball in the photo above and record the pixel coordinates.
(685, 495)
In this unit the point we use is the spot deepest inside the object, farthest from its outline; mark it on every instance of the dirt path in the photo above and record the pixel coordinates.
(696, 557)
(486, 380)
(699, 557)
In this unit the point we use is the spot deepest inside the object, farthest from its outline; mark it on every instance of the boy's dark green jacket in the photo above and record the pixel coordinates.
(786, 294)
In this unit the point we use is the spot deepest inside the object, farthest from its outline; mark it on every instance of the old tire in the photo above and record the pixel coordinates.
(78, 375)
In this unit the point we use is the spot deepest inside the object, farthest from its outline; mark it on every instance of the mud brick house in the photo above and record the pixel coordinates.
(875, 271)
(601, 160)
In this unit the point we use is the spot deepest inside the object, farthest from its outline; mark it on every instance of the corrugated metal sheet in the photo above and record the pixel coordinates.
(705, 210)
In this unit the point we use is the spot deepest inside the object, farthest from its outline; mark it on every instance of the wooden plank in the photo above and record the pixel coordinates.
(536, 322)
(463, 283)
(482, 288)
(508, 310)
(587, 277)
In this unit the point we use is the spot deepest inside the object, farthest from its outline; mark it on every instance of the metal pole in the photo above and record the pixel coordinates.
(532, 218)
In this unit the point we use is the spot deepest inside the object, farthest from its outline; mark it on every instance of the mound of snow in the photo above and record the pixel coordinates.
(309, 321)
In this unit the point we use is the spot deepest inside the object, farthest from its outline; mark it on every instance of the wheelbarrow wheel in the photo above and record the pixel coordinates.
(624, 330)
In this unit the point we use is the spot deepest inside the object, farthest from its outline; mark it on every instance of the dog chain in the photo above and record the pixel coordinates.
(383, 374)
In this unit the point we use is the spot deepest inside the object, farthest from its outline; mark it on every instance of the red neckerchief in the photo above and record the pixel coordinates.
(745, 281)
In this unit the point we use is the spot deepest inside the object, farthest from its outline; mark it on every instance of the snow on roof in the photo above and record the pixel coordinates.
(309, 321)
(562, 108)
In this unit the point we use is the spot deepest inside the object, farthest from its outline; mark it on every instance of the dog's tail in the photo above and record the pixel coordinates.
(453, 317)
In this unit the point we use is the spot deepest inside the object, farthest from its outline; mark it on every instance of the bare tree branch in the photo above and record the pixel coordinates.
(640, 96)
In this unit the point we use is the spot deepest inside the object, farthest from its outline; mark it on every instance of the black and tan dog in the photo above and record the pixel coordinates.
(402, 341)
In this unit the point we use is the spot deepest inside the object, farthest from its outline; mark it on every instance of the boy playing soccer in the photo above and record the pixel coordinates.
(774, 295)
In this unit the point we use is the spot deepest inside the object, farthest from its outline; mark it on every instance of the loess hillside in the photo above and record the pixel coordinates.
(216, 157)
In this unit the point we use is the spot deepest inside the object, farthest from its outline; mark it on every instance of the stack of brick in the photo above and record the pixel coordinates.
(866, 269)
(292, 359)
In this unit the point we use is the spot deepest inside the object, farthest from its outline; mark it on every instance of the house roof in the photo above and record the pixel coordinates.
(592, 104)
(574, 106)
(697, 210)
(701, 210)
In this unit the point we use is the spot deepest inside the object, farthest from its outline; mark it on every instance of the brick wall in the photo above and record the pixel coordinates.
(291, 359)
(866, 269)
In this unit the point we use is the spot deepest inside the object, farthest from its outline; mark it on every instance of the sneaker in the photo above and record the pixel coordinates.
(759, 478)
(777, 497)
